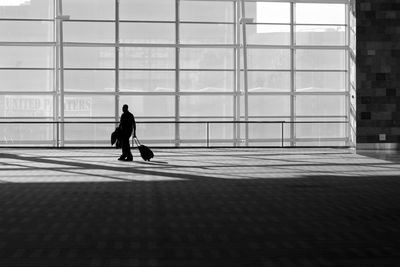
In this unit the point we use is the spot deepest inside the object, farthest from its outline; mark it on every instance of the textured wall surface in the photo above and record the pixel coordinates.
(378, 71)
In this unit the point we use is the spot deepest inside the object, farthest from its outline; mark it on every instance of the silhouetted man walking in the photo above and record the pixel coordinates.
(127, 125)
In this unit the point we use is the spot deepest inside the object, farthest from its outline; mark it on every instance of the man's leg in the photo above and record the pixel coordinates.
(122, 157)
(126, 149)
(128, 153)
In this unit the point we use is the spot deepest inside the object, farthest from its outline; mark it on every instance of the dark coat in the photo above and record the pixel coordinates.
(116, 137)
(127, 124)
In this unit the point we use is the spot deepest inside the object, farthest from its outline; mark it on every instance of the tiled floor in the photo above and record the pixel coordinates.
(199, 207)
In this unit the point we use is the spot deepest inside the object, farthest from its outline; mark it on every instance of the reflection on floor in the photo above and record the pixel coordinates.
(199, 207)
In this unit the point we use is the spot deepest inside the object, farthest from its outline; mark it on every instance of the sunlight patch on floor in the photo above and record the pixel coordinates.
(101, 165)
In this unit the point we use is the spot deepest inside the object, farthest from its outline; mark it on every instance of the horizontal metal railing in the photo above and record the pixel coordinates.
(59, 141)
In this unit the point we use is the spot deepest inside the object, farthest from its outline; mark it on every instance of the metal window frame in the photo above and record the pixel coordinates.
(177, 73)
(60, 70)
(117, 45)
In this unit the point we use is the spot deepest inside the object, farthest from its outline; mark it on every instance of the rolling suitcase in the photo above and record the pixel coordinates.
(145, 151)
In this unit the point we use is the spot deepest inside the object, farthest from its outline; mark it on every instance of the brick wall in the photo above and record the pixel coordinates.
(378, 71)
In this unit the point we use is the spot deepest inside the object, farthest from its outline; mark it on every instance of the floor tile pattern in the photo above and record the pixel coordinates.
(199, 207)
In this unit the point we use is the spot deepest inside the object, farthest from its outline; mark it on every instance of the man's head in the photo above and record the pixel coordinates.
(125, 108)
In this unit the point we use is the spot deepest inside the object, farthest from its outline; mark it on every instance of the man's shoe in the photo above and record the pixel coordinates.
(121, 158)
(129, 159)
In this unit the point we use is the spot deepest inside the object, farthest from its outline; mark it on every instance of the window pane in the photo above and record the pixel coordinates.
(319, 105)
(26, 134)
(89, 106)
(159, 33)
(320, 59)
(206, 81)
(206, 58)
(320, 81)
(89, 32)
(268, 12)
(89, 9)
(264, 81)
(221, 131)
(89, 80)
(147, 81)
(353, 41)
(155, 131)
(89, 57)
(26, 57)
(353, 78)
(147, 57)
(198, 131)
(26, 106)
(206, 34)
(33, 9)
(321, 13)
(269, 130)
(200, 105)
(320, 130)
(353, 19)
(147, 9)
(320, 35)
(206, 11)
(268, 58)
(268, 34)
(321, 142)
(85, 134)
(26, 80)
(149, 105)
(269, 105)
(190, 131)
(26, 31)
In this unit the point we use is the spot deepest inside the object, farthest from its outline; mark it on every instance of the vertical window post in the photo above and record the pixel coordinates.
(116, 61)
(245, 80)
(177, 113)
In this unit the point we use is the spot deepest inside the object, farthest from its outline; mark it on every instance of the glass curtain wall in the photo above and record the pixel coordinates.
(27, 71)
(189, 61)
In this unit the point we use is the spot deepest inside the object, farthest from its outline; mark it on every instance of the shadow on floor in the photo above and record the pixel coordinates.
(387, 155)
(201, 220)
(163, 168)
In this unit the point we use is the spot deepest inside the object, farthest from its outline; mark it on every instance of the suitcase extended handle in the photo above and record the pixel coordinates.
(137, 141)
